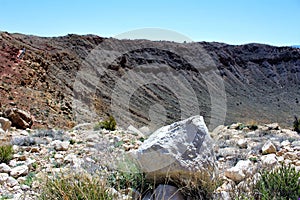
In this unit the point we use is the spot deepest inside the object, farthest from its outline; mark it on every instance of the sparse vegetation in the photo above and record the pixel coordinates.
(240, 127)
(34, 166)
(3, 197)
(201, 188)
(252, 126)
(253, 159)
(29, 179)
(75, 186)
(128, 175)
(118, 144)
(108, 124)
(280, 183)
(6, 153)
(72, 141)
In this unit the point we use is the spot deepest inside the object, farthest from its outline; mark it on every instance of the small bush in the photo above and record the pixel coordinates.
(281, 183)
(202, 188)
(297, 125)
(252, 126)
(72, 141)
(109, 124)
(128, 175)
(34, 166)
(253, 159)
(6, 153)
(240, 127)
(29, 179)
(75, 186)
(6, 196)
(118, 144)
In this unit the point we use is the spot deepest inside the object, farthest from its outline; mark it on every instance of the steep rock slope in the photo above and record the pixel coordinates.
(70, 79)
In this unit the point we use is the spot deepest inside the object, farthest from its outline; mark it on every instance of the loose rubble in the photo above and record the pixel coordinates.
(240, 154)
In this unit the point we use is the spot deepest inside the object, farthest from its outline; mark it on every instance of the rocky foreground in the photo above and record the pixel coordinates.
(235, 154)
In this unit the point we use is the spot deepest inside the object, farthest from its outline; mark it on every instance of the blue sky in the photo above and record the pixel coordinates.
(275, 22)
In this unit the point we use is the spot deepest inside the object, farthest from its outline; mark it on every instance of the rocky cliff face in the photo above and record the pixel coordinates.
(70, 79)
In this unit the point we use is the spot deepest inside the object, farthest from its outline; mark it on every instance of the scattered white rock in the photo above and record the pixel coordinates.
(11, 181)
(12, 163)
(245, 166)
(291, 155)
(285, 143)
(3, 177)
(268, 148)
(178, 146)
(269, 160)
(58, 156)
(60, 146)
(242, 143)
(4, 168)
(235, 174)
(296, 143)
(225, 195)
(25, 187)
(19, 171)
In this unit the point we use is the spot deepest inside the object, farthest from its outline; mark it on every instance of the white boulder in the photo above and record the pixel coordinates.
(177, 151)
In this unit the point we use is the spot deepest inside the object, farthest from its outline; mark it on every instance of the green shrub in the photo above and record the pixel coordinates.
(142, 139)
(252, 126)
(108, 124)
(240, 127)
(72, 141)
(29, 179)
(118, 144)
(6, 196)
(75, 186)
(297, 125)
(128, 175)
(6, 153)
(34, 166)
(280, 183)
